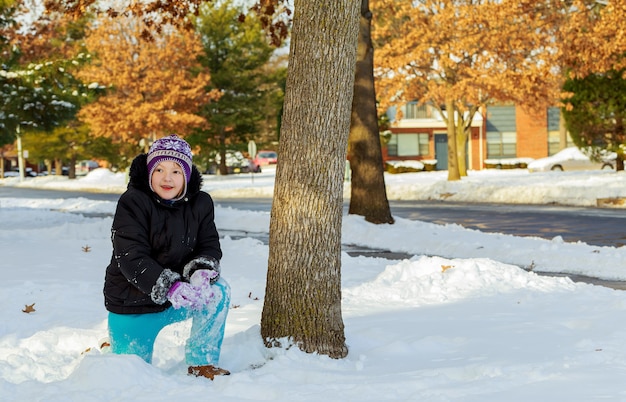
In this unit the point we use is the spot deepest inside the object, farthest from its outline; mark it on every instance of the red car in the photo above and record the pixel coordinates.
(265, 157)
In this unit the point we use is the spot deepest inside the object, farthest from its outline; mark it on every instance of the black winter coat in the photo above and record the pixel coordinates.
(150, 235)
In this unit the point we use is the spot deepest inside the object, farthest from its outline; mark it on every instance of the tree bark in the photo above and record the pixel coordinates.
(461, 144)
(303, 290)
(222, 150)
(562, 132)
(453, 160)
(368, 195)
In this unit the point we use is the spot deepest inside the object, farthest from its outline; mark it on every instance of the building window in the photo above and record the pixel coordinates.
(501, 145)
(554, 142)
(408, 144)
(415, 111)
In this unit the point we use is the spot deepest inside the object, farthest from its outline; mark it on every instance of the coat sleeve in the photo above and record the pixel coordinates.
(132, 248)
(208, 245)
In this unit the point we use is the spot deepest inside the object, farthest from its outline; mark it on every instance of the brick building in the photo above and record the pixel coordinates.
(500, 135)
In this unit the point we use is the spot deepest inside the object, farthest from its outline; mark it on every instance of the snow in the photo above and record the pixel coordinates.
(460, 321)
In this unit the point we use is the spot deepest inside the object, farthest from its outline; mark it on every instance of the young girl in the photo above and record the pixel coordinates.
(165, 263)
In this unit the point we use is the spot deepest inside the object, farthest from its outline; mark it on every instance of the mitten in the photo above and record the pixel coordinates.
(202, 280)
(202, 263)
(183, 294)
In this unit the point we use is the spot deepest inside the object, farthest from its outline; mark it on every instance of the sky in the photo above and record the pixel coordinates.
(461, 320)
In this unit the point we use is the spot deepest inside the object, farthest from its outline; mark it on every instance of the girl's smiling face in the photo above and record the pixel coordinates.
(168, 180)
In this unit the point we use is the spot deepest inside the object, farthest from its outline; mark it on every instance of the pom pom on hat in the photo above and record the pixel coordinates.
(170, 148)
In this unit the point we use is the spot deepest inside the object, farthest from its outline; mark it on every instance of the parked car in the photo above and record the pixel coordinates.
(265, 157)
(235, 163)
(28, 172)
(84, 167)
(65, 171)
(571, 159)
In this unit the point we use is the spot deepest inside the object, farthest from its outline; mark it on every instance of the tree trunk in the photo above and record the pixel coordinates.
(58, 167)
(222, 150)
(461, 145)
(619, 163)
(562, 132)
(453, 160)
(71, 172)
(20, 155)
(303, 291)
(368, 195)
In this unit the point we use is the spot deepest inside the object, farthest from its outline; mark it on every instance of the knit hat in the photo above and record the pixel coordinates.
(170, 148)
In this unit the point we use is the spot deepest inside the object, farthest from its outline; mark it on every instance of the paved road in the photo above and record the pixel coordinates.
(595, 226)
(17, 192)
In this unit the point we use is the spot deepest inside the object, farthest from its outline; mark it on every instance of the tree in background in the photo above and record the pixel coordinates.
(593, 39)
(154, 16)
(39, 90)
(303, 290)
(368, 195)
(595, 112)
(269, 128)
(153, 87)
(594, 104)
(56, 36)
(8, 58)
(49, 35)
(69, 143)
(236, 53)
(461, 55)
(41, 98)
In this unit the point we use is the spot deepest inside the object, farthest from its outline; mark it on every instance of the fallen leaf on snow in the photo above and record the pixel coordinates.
(28, 308)
(444, 268)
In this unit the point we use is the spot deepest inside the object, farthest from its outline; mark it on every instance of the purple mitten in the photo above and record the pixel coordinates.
(202, 262)
(182, 294)
(202, 280)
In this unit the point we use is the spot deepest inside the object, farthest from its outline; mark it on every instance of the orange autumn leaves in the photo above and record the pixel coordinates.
(154, 86)
(594, 41)
(476, 52)
(466, 51)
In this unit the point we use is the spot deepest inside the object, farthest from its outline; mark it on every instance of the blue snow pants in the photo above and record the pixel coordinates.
(136, 333)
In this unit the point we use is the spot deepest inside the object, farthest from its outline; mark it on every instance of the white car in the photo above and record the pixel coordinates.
(571, 159)
(235, 162)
